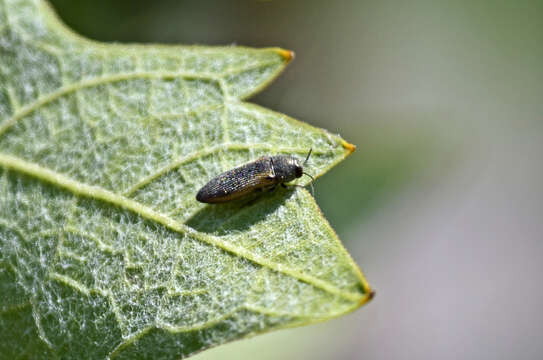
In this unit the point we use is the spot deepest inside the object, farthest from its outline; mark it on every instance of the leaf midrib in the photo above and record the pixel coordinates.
(98, 193)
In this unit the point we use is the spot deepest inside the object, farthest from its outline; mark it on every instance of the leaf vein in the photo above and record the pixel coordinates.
(66, 280)
(87, 83)
(98, 193)
(37, 322)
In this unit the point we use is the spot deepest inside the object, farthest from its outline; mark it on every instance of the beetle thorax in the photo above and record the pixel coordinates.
(286, 168)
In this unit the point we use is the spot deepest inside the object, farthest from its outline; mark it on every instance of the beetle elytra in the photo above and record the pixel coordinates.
(264, 173)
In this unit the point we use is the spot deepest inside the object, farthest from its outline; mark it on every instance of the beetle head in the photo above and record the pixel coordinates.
(299, 169)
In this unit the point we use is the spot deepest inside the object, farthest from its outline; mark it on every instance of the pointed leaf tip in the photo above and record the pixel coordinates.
(288, 55)
(366, 299)
(349, 147)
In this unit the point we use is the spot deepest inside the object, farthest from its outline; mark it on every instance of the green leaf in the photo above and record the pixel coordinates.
(105, 253)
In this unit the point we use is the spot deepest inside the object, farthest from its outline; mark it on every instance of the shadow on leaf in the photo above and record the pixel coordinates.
(239, 215)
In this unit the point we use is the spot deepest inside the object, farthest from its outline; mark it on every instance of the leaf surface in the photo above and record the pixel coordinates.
(105, 253)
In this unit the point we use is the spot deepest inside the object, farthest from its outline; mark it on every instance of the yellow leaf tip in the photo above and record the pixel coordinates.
(367, 298)
(348, 146)
(287, 55)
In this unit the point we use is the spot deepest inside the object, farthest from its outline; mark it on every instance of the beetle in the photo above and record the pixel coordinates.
(265, 173)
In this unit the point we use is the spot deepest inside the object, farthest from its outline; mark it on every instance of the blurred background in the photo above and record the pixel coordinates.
(442, 203)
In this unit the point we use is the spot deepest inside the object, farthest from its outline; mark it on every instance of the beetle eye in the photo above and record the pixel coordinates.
(299, 171)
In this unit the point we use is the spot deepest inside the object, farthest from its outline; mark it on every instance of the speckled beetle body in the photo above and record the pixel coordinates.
(262, 174)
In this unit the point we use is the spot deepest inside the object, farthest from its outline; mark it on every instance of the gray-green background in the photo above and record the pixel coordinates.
(442, 203)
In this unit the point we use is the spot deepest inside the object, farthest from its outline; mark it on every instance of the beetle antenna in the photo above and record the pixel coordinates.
(308, 155)
(311, 183)
(312, 178)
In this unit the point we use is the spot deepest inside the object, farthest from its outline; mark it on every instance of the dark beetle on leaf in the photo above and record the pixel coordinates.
(262, 174)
